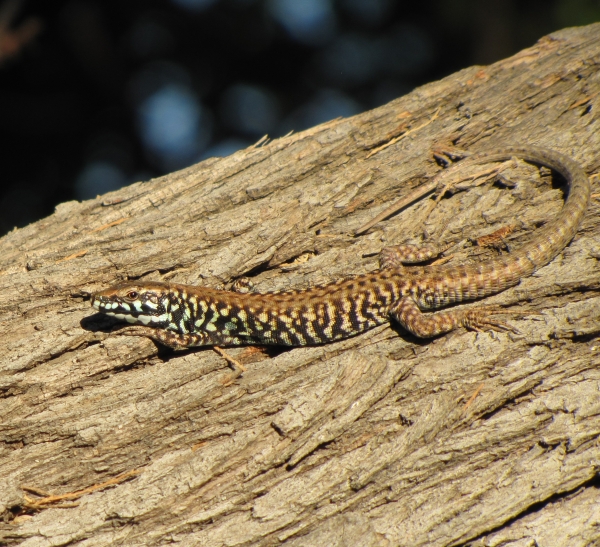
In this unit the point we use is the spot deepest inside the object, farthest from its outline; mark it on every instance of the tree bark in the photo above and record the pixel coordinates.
(382, 439)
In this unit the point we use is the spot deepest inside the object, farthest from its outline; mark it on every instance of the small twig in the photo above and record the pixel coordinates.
(55, 501)
(413, 196)
(473, 397)
(442, 260)
(432, 185)
(487, 173)
(36, 491)
(261, 142)
(399, 137)
(109, 225)
(74, 255)
(583, 100)
(238, 368)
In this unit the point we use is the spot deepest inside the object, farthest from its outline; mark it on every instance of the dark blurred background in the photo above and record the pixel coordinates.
(96, 94)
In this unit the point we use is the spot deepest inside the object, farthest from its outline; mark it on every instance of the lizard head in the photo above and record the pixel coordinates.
(141, 303)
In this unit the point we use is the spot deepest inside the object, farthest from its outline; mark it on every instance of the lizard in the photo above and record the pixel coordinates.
(183, 316)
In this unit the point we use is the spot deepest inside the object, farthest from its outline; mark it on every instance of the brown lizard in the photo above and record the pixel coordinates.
(182, 316)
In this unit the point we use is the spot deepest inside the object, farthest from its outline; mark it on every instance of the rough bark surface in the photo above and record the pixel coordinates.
(382, 439)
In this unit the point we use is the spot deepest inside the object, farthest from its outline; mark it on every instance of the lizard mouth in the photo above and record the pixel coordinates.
(126, 311)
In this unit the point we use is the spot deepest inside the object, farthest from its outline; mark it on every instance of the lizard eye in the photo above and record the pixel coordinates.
(132, 295)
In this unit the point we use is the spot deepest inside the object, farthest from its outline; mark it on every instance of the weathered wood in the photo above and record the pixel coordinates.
(377, 440)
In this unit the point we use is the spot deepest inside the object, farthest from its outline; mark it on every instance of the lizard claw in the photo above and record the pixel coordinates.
(480, 319)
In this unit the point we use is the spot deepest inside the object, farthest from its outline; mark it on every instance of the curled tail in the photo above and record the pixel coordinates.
(495, 275)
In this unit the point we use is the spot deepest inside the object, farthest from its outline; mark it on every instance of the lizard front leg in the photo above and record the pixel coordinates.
(180, 342)
(173, 340)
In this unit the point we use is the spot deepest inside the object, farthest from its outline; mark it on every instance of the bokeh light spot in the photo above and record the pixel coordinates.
(194, 5)
(99, 177)
(174, 126)
(249, 109)
(311, 22)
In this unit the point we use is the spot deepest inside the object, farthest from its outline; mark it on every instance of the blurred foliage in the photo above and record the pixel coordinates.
(97, 94)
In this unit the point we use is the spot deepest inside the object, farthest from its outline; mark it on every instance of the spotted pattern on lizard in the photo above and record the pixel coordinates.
(181, 316)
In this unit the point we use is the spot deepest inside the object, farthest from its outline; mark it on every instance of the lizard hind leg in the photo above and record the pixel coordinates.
(398, 255)
(426, 325)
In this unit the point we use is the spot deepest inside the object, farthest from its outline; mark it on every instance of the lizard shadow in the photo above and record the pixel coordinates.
(99, 322)
(407, 336)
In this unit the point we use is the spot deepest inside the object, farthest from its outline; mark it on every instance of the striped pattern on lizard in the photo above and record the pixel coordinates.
(182, 316)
